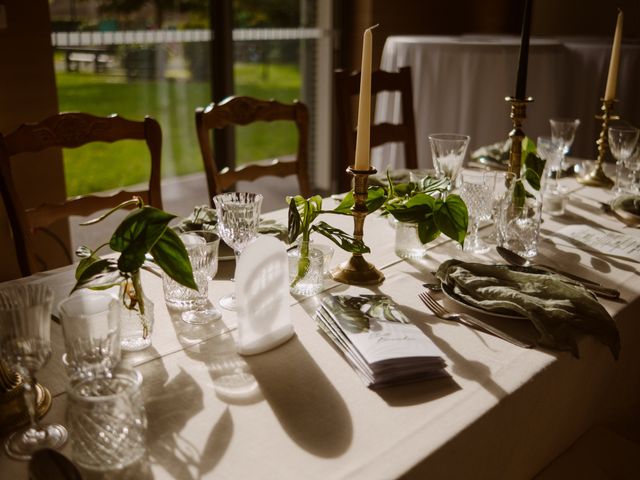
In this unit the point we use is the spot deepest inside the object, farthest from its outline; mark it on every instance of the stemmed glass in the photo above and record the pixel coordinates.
(448, 151)
(563, 132)
(622, 142)
(238, 220)
(552, 152)
(25, 329)
(477, 192)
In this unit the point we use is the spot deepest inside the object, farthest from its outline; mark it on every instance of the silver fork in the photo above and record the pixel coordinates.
(468, 320)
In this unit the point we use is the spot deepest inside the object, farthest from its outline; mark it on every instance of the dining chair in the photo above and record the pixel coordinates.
(243, 110)
(347, 85)
(69, 130)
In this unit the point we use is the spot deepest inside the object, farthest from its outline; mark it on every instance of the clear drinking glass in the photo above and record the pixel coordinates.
(238, 220)
(622, 143)
(91, 330)
(107, 420)
(554, 194)
(563, 132)
(407, 241)
(311, 283)
(448, 151)
(477, 192)
(25, 345)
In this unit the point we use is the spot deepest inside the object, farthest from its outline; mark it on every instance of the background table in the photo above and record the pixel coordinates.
(300, 411)
(460, 83)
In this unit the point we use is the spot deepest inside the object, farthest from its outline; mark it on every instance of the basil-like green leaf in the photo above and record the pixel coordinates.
(142, 227)
(428, 231)
(452, 217)
(171, 256)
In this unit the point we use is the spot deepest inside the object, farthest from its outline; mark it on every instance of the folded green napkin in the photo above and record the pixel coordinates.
(559, 308)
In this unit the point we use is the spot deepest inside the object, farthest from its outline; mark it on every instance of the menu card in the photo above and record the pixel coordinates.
(378, 340)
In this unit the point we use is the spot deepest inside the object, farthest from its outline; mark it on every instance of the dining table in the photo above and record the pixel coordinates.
(300, 410)
(460, 83)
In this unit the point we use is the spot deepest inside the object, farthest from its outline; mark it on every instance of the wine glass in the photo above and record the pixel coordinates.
(552, 152)
(622, 142)
(25, 329)
(238, 220)
(477, 192)
(563, 132)
(448, 151)
(205, 312)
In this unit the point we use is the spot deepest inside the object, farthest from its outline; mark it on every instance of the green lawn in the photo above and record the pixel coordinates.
(99, 167)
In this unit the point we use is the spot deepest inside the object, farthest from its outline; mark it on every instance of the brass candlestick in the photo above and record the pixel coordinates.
(517, 115)
(356, 270)
(13, 411)
(597, 177)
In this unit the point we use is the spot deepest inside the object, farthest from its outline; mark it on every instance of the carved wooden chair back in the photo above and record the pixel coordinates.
(242, 110)
(347, 85)
(70, 130)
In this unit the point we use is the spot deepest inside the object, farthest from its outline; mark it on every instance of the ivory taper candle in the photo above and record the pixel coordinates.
(363, 131)
(612, 78)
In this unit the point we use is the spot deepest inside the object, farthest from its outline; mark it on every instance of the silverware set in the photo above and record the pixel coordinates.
(469, 320)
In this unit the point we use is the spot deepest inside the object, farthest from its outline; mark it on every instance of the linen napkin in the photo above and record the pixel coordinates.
(558, 307)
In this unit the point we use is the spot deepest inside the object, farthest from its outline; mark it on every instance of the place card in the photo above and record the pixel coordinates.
(378, 340)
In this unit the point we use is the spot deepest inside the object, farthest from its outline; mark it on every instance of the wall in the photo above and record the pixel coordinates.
(28, 93)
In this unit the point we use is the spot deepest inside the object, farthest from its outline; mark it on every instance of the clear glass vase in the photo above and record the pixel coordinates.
(136, 318)
(408, 244)
(312, 281)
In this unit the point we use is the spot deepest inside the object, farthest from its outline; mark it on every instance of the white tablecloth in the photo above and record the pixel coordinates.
(460, 83)
(300, 411)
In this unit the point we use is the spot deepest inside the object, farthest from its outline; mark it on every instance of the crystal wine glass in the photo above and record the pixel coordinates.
(448, 151)
(477, 192)
(25, 329)
(552, 152)
(622, 142)
(238, 220)
(563, 132)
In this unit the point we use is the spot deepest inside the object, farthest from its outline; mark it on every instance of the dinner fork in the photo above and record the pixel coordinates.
(468, 320)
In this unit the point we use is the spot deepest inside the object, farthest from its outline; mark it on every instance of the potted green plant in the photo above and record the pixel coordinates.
(142, 232)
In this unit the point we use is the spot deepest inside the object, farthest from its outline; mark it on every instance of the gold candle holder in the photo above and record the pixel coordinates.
(356, 270)
(597, 177)
(517, 115)
(13, 411)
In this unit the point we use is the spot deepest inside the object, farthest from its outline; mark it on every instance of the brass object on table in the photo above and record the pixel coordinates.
(13, 411)
(356, 270)
(597, 177)
(517, 115)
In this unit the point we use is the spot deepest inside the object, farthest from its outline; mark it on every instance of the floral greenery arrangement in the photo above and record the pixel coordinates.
(144, 231)
(533, 168)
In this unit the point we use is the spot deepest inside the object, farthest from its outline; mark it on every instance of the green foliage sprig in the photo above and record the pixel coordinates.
(144, 231)
(533, 168)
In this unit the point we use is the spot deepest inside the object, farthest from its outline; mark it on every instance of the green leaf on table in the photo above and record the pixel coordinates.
(140, 230)
(519, 194)
(294, 224)
(428, 230)
(375, 199)
(97, 273)
(172, 257)
(341, 239)
(452, 217)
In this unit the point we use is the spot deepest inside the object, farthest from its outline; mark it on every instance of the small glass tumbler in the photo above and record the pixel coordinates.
(311, 283)
(107, 421)
(183, 297)
(519, 228)
(91, 330)
(408, 244)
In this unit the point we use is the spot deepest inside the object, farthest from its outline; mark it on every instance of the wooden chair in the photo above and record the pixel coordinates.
(347, 85)
(238, 110)
(70, 130)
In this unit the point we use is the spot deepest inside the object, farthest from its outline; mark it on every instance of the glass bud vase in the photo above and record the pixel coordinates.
(312, 281)
(408, 244)
(518, 222)
(135, 327)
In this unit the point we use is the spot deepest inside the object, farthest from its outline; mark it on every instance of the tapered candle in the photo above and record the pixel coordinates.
(612, 78)
(523, 58)
(363, 131)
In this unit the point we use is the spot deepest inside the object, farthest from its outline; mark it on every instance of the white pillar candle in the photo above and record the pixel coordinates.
(363, 131)
(612, 78)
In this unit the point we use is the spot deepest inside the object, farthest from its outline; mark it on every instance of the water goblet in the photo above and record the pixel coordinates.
(205, 312)
(477, 192)
(448, 151)
(622, 143)
(563, 132)
(238, 220)
(25, 343)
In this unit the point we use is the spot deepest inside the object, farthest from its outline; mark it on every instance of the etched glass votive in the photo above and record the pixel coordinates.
(106, 420)
(312, 281)
(408, 244)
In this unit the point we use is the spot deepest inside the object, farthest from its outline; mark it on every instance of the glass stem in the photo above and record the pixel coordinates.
(29, 390)
(236, 253)
(473, 233)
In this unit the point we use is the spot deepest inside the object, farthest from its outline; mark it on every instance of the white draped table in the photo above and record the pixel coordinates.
(460, 82)
(300, 411)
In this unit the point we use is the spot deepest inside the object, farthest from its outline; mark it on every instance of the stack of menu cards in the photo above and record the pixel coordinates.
(379, 341)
